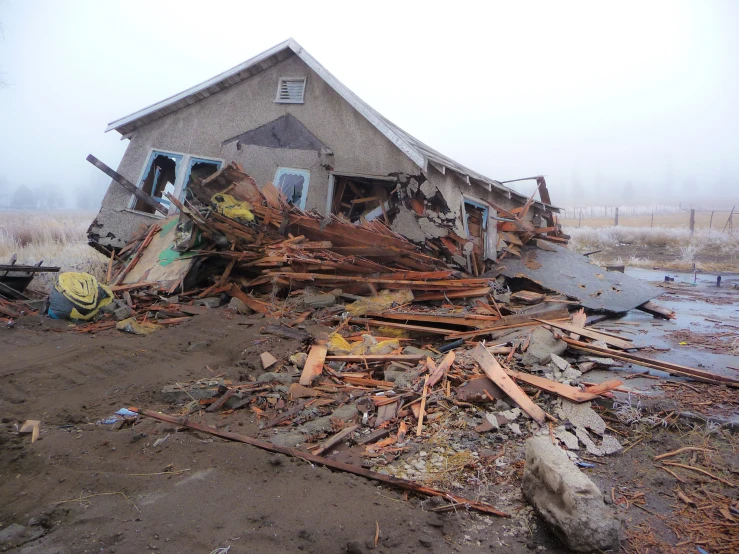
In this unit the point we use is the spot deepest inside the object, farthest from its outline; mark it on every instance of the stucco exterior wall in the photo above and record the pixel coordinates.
(199, 130)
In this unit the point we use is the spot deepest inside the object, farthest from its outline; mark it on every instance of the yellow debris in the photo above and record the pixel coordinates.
(230, 207)
(337, 345)
(384, 300)
(132, 326)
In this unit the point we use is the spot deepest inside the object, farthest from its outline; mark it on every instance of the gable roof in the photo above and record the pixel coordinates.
(418, 152)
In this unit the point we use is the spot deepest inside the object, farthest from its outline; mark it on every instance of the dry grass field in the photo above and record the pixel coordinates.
(668, 244)
(680, 219)
(57, 238)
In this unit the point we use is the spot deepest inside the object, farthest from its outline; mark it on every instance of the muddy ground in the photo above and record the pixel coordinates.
(83, 487)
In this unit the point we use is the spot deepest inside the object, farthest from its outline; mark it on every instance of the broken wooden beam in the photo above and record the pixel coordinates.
(128, 185)
(595, 335)
(497, 375)
(332, 464)
(667, 367)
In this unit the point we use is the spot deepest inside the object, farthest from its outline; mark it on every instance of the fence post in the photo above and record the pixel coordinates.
(710, 223)
(615, 220)
(692, 220)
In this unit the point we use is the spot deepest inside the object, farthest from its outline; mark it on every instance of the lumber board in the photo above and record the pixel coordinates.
(394, 325)
(128, 185)
(433, 318)
(376, 358)
(332, 464)
(466, 293)
(314, 364)
(497, 375)
(335, 439)
(560, 389)
(668, 367)
(595, 335)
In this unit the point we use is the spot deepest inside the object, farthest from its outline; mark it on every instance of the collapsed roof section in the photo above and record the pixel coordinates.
(418, 152)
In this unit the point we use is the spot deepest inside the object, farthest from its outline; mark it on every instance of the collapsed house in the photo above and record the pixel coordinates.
(285, 119)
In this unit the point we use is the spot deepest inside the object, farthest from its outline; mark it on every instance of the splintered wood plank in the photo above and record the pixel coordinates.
(314, 364)
(376, 358)
(468, 293)
(497, 375)
(336, 439)
(560, 389)
(253, 303)
(618, 343)
(419, 429)
(441, 369)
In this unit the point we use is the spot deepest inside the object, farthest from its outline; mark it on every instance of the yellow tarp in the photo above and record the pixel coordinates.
(230, 207)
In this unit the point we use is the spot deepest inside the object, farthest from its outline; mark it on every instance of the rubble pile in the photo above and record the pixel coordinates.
(406, 368)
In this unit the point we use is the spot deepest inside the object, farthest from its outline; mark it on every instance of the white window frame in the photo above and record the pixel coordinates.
(304, 172)
(279, 100)
(179, 179)
(179, 190)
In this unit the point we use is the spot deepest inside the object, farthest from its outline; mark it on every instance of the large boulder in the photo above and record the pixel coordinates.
(566, 499)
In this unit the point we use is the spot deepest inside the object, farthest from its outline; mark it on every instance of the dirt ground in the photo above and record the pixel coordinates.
(83, 487)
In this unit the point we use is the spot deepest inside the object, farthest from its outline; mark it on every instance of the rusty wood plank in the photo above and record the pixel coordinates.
(314, 364)
(497, 375)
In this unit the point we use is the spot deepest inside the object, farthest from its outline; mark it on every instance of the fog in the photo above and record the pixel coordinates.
(621, 102)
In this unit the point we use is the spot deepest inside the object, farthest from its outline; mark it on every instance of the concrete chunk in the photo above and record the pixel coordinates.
(568, 501)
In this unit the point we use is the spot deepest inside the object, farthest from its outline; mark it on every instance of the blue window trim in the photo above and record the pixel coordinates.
(306, 185)
(154, 153)
(192, 162)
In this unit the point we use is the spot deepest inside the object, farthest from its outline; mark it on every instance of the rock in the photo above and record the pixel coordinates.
(123, 312)
(212, 302)
(298, 359)
(559, 363)
(319, 300)
(284, 378)
(566, 437)
(515, 429)
(197, 346)
(541, 347)
(419, 352)
(567, 500)
(493, 419)
(239, 307)
(12, 535)
(403, 378)
(570, 374)
(510, 415)
(580, 415)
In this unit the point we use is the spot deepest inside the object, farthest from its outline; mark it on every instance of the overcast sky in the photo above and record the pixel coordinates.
(590, 94)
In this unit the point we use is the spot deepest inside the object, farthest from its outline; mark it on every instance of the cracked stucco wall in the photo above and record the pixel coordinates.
(200, 128)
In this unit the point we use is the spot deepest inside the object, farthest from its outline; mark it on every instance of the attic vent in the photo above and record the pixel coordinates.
(290, 90)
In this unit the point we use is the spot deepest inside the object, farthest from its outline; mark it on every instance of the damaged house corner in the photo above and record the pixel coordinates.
(397, 315)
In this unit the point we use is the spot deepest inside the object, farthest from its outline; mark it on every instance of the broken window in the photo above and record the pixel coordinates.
(293, 183)
(198, 169)
(362, 197)
(158, 180)
(475, 223)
